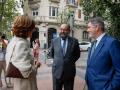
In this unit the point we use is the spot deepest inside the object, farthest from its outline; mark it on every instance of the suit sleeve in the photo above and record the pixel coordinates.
(76, 51)
(115, 55)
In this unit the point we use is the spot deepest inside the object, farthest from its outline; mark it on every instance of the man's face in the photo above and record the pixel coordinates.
(64, 31)
(92, 30)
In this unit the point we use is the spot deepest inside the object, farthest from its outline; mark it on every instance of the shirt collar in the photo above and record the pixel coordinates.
(65, 39)
(100, 37)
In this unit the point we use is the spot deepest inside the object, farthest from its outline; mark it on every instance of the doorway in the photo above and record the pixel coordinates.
(52, 33)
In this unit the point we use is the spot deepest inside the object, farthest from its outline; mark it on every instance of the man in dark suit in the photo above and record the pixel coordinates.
(65, 52)
(103, 66)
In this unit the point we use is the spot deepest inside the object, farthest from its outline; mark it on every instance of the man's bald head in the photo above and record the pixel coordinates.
(65, 26)
(64, 30)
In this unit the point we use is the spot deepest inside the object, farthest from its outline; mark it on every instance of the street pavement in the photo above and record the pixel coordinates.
(44, 80)
(44, 75)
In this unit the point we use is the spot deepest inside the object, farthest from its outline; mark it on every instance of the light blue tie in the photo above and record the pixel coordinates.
(64, 47)
(93, 48)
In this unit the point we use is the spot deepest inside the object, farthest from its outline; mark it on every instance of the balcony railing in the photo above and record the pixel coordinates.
(80, 22)
(34, 6)
(50, 19)
(57, 1)
(33, 1)
(45, 19)
(71, 4)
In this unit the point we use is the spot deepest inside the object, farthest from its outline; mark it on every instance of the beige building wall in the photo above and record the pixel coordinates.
(44, 21)
(78, 33)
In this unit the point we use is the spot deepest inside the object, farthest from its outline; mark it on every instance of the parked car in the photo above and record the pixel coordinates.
(84, 45)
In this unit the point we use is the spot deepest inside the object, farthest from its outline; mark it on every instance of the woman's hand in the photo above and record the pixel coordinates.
(37, 63)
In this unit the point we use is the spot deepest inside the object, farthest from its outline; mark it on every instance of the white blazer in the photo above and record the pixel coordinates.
(21, 57)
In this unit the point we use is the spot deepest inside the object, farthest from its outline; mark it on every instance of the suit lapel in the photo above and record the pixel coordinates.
(90, 50)
(97, 50)
(59, 43)
(68, 46)
(89, 54)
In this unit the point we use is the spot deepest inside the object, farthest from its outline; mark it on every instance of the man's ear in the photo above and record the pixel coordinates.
(98, 28)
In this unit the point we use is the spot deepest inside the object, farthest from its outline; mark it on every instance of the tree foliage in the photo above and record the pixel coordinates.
(65, 15)
(108, 9)
(7, 12)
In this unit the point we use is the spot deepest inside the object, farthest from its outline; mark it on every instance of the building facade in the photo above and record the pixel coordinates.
(49, 14)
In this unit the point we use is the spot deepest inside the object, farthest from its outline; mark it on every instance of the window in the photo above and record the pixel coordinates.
(70, 1)
(1, 1)
(35, 13)
(79, 13)
(77, 2)
(53, 11)
(85, 35)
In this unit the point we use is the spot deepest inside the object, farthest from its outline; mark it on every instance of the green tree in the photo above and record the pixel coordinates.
(63, 16)
(108, 9)
(8, 10)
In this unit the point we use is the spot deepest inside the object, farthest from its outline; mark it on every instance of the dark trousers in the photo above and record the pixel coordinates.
(68, 84)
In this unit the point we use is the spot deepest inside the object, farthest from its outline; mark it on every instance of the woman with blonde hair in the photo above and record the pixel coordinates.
(22, 29)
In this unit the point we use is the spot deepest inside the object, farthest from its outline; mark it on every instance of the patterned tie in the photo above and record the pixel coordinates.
(93, 48)
(64, 47)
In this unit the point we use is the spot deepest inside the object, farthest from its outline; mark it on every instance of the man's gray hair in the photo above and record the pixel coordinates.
(98, 21)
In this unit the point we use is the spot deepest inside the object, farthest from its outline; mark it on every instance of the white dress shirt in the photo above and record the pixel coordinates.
(99, 39)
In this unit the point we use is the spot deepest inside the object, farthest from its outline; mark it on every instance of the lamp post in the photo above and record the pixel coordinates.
(71, 22)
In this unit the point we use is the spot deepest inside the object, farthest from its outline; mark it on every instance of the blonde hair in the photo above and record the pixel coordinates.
(22, 25)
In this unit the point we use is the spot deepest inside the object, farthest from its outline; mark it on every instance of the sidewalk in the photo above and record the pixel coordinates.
(44, 80)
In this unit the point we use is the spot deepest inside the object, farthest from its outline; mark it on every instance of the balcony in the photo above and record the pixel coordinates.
(33, 1)
(56, 1)
(80, 23)
(50, 19)
(34, 6)
(71, 3)
(45, 19)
